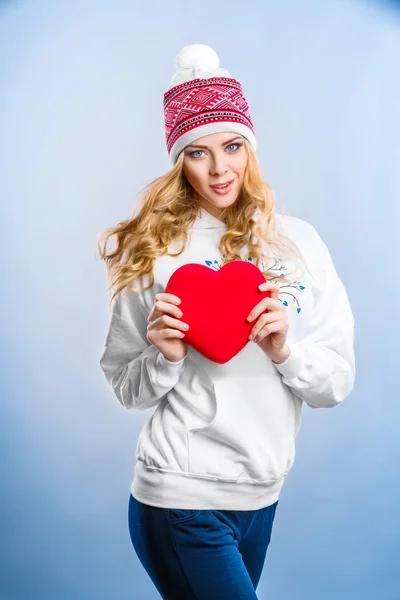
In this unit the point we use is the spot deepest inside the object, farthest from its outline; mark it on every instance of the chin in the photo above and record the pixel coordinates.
(220, 206)
(223, 203)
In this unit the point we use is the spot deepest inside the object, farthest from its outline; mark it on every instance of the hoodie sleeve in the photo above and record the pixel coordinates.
(136, 370)
(321, 367)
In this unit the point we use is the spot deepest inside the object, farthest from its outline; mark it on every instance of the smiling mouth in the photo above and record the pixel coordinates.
(221, 185)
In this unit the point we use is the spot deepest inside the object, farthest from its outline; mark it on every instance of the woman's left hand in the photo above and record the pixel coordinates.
(271, 328)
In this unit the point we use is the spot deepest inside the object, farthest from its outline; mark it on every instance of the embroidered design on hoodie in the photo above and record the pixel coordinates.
(292, 302)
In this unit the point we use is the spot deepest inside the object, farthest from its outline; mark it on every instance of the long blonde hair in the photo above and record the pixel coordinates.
(168, 210)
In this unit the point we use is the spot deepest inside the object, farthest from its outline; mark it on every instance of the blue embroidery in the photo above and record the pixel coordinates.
(295, 285)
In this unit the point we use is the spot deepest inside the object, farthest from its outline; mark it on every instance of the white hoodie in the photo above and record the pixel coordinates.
(223, 436)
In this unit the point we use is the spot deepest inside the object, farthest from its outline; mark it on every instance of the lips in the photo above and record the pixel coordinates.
(215, 186)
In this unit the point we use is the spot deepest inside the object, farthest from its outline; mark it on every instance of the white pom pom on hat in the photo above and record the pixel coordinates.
(197, 55)
(197, 61)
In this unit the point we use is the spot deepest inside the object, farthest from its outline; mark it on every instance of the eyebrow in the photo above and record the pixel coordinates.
(223, 143)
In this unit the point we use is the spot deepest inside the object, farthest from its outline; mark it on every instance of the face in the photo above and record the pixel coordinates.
(214, 159)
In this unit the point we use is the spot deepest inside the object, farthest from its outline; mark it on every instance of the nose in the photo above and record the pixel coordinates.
(217, 166)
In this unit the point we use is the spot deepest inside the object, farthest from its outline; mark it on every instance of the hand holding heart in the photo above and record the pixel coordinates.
(164, 331)
(270, 330)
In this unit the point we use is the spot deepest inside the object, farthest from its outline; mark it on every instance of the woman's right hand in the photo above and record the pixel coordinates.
(166, 332)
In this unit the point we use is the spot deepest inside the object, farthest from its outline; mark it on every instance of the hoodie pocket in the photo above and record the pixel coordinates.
(180, 515)
(250, 438)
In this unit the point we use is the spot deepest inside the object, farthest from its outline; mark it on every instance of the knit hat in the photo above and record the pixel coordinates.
(203, 99)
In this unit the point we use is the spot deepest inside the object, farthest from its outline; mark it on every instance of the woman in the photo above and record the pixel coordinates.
(213, 456)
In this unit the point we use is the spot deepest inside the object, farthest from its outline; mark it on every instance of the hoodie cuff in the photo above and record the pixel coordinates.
(292, 365)
(168, 372)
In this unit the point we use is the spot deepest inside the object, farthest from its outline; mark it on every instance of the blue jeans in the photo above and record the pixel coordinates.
(201, 554)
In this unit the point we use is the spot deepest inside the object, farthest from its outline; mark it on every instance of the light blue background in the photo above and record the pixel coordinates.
(82, 133)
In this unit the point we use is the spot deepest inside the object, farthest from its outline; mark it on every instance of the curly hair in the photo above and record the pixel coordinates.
(168, 210)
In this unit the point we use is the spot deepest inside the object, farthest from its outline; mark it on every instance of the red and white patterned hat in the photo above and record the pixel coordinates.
(203, 99)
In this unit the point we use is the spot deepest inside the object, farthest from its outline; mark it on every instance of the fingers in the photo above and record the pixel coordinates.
(271, 287)
(271, 302)
(154, 336)
(266, 303)
(167, 307)
(265, 320)
(165, 333)
(168, 298)
(166, 321)
(161, 306)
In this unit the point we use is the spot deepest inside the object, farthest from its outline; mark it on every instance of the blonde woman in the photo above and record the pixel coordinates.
(213, 456)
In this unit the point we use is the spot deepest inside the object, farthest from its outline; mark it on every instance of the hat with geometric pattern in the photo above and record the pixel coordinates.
(203, 99)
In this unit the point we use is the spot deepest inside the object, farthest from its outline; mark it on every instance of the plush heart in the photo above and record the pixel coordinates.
(215, 305)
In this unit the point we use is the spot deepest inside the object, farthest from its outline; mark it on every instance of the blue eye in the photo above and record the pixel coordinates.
(229, 145)
(191, 154)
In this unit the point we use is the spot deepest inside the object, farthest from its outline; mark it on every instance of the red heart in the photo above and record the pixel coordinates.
(215, 305)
